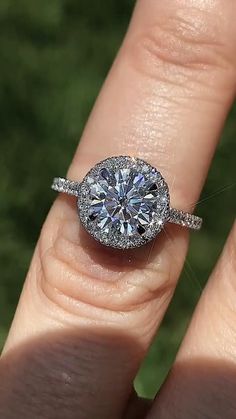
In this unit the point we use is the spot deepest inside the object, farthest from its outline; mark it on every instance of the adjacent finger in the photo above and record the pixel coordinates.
(165, 100)
(203, 379)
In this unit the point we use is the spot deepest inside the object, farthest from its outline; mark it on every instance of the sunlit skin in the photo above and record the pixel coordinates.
(88, 314)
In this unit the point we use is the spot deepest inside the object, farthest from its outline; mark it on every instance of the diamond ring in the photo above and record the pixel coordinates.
(124, 202)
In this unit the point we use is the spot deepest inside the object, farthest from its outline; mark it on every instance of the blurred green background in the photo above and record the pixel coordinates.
(54, 56)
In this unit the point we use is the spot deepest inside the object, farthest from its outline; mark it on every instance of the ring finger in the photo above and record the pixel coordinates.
(165, 100)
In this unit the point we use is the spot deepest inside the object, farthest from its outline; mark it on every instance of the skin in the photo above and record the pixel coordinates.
(87, 314)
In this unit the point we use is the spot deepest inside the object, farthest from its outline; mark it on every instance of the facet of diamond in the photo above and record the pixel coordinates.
(125, 202)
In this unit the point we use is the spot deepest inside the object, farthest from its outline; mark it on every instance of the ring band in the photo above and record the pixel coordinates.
(185, 219)
(124, 202)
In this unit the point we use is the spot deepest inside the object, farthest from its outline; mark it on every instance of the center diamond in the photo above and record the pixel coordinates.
(125, 200)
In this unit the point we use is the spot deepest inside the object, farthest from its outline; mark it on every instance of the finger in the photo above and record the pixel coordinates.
(165, 100)
(202, 383)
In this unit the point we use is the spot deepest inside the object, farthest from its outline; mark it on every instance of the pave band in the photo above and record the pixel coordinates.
(61, 184)
(185, 219)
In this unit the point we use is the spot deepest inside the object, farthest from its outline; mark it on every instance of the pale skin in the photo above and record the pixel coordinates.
(87, 314)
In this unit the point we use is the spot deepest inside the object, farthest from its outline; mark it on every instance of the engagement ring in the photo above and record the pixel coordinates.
(124, 202)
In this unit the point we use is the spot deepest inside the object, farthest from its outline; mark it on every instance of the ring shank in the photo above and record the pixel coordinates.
(61, 184)
(185, 219)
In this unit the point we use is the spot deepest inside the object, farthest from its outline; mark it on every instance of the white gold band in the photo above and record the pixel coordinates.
(185, 219)
(61, 184)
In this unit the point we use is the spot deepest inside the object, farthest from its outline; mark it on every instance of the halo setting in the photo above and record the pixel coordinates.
(123, 202)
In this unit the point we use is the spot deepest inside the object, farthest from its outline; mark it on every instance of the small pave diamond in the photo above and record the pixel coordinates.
(126, 202)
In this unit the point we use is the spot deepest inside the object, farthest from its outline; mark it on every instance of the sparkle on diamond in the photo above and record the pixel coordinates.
(125, 200)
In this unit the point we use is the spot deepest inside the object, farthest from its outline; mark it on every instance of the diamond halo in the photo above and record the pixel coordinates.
(123, 202)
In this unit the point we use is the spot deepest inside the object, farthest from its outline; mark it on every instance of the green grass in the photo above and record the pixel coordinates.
(54, 59)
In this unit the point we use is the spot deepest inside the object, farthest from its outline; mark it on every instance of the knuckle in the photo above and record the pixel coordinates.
(185, 39)
(88, 279)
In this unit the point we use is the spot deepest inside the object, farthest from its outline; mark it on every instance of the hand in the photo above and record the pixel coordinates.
(88, 314)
